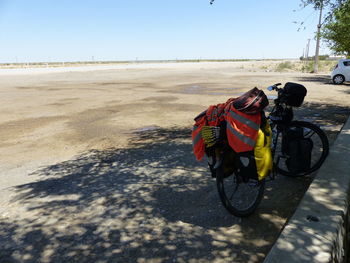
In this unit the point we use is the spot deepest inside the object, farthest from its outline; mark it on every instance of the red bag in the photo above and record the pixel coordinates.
(251, 102)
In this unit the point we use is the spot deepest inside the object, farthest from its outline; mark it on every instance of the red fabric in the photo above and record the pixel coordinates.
(197, 141)
(213, 117)
(215, 114)
(235, 142)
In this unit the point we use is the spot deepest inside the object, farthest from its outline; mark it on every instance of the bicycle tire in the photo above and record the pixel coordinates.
(232, 205)
(318, 157)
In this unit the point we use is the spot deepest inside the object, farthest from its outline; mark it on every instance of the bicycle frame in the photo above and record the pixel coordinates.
(279, 118)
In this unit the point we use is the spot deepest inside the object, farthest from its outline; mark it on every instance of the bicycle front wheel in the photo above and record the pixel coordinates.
(238, 197)
(319, 152)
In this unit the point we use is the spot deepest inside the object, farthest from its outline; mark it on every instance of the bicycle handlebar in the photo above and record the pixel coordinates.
(274, 87)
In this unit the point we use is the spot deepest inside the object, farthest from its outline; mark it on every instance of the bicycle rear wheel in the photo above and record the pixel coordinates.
(238, 197)
(319, 152)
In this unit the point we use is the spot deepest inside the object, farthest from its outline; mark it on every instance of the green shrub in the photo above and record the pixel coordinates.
(284, 65)
(308, 66)
(323, 66)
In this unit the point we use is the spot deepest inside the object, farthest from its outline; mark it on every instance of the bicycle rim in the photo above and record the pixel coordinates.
(239, 198)
(319, 152)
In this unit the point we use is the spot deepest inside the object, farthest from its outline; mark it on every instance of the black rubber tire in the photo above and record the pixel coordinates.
(323, 152)
(222, 189)
(338, 79)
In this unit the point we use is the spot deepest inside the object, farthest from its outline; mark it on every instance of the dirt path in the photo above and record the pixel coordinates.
(97, 165)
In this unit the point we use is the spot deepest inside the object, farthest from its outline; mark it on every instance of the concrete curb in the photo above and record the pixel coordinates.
(317, 232)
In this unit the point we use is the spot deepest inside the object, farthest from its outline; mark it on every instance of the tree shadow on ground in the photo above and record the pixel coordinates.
(323, 79)
(322, 114)
(149, 202)
(347, 91)
(329, 118)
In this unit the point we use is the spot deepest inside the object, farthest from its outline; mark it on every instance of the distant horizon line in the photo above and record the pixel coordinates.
(144, 61)
(153, 60)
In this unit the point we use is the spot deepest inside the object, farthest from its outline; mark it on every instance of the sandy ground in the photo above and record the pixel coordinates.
(96, 163)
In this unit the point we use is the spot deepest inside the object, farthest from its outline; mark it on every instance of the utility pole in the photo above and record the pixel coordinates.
(307, 49)
(303, 55)
(318, 39)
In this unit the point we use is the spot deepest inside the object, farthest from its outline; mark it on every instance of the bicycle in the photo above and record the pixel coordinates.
(239, 195)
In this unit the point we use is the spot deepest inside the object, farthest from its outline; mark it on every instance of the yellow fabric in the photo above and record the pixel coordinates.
(209, 135)
(262, 152)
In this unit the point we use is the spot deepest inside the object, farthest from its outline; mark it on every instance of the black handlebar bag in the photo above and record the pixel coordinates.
(293, 94)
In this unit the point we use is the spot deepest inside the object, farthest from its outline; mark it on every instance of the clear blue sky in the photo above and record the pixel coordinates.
(72, 30)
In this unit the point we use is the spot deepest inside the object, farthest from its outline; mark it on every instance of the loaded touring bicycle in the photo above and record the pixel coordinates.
(244, 147)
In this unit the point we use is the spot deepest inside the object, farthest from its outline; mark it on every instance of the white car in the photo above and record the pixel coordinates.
(341, 72)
